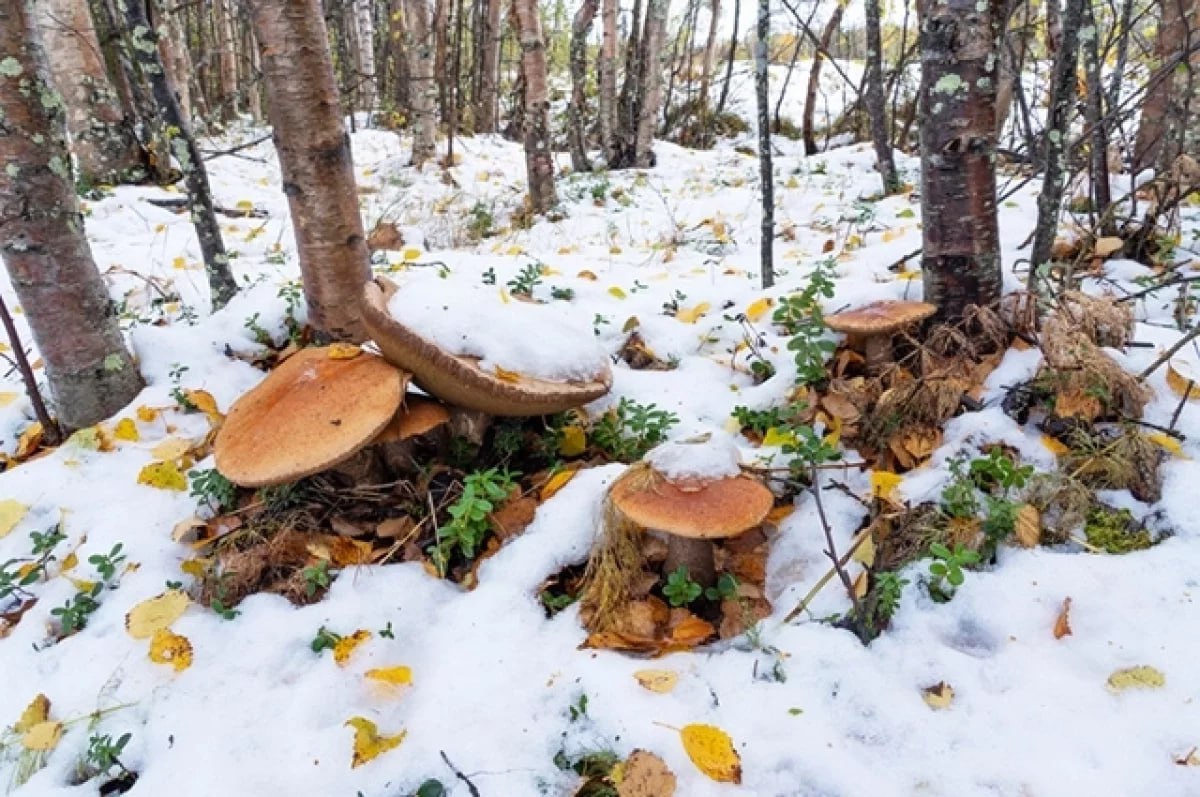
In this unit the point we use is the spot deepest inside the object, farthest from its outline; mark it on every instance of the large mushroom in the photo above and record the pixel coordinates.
(317, 409)
(873, 326)
(459, 379)
(692, 510)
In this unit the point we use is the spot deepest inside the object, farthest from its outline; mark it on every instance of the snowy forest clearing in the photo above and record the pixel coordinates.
(499, 690)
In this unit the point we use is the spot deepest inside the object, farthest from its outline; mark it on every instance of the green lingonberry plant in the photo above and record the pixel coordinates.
(801, 317)
(469, 525)
(680, 590)
(626, 432)
(947, 569)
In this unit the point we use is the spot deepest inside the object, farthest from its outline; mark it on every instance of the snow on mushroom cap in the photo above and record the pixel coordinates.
(879, 317)
(541, 341)
(701, 510)
(310, 413)
(715, 458)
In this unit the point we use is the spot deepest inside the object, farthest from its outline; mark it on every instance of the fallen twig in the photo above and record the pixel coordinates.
(458, 774)
(233, 213)
(51, 432)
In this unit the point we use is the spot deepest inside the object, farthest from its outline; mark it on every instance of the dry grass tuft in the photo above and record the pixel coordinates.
(1124, 461)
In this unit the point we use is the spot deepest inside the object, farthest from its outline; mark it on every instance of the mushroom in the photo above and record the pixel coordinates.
(309, 414)
(458, 379)
(692, 513)
(873, 326)
(418, 417)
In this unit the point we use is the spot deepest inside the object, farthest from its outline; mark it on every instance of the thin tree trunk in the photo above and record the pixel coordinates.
(314, 156)
(364, 32)
(766, 169)
(876, 103)
(90, 372)
(1169, 47)
(577, 110)
(539, 162)
(1058, 127)
(143, 45)
(733, 42)
(226, 59)
(441, 43)
(654, 37)
(1124, 34)
(961, 253)
(814, 78)
(623, 147)
(787, 79)
(607, 72)
(173, 51)
(1012, 60)
(489, 75)
(102, 139)
(706, 73)
(423, 90)
(51, 435)
(1101, 190)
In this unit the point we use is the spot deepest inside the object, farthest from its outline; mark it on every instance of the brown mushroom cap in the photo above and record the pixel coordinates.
(459, 380)
(416, 417)
(309, 414)
(697, 510)
(880, 317)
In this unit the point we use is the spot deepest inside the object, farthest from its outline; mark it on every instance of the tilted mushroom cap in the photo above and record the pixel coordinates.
(309, 414)
(698, 510)
(416, 417)
(459, 380)
(880, 317)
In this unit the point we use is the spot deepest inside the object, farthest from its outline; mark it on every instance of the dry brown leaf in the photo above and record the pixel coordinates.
(646, 775)
(395, 527)
(939, 696)
(1028, 529)
(1071, 403)
(511, 519)
(1062, 624)
(661, 681)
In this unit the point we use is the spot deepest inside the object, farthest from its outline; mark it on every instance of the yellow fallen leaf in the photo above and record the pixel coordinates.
(368, 742)
(29, 440)
(1167, 443)
(884, 483)
(396, 676)
(69, 562)
(179, 263)
(411, 254)
(154, 614)
(11, 513)
(587, 275)
(892, 234)
(617, 292)
(171, 448)
(1054, 445)
(759, 308)
(196, 568)
(689, 315)
(346, 646)
(507, 376)
(92, 438)
(712, 751)
(514, 250)
(43, 736)
(8, 397)
(556, 483)
(778, 437)
(1183, 376)
(163, 475)
(939, 696)
(572, 440)
(864, 554)
(1143, 677)
(1107, 246)
(167, 647)
(1028, 526)
(661, 681)
(343, 351)
(126, 430)
(204, 401)
(147, 414)
(36, 712)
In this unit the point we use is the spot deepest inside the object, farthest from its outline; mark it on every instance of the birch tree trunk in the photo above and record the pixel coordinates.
(1058, 126)
(89, 370)
(706, 72)
(423, 91)
(102, 139)
(539, 162)
(488, 103)
(1169, 45)
(226, 59)
(581, 27)
(766, 169)
(314, 156)
(877, 103)
(172, 49)
(653, 36)
(364, 30)
(143, 46)
(607, 72)
(814, 78)
(733, 41)
(961, 254)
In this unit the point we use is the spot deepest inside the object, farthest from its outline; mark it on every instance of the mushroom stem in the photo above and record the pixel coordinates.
(694, 554)
(878, 352)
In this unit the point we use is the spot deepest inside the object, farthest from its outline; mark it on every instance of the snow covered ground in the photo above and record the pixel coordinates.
(811, 711)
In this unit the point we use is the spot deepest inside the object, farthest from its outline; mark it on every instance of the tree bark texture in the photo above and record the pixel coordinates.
(707, 64)
(488, 104)
(607, 71)
(961, 253)
(89, 370)
(423, 90)
(539, 162)
(1063, 85)
(577, 137)
(1012, 59)
(814, 79)
(1089, 39)
(1154, 146)
(364, 34)
(733, 42)
(102, 139)
(877, 102)
(766, 169)
(315, 160)
(227, 80)
(654, 36)
(143, 44)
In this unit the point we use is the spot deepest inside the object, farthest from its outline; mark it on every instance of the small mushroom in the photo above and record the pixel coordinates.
(459, 380)
(312, 412)
(873, 326)
(692, 513)
(417, 418)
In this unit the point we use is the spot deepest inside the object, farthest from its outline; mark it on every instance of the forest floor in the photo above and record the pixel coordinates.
(502, 691)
